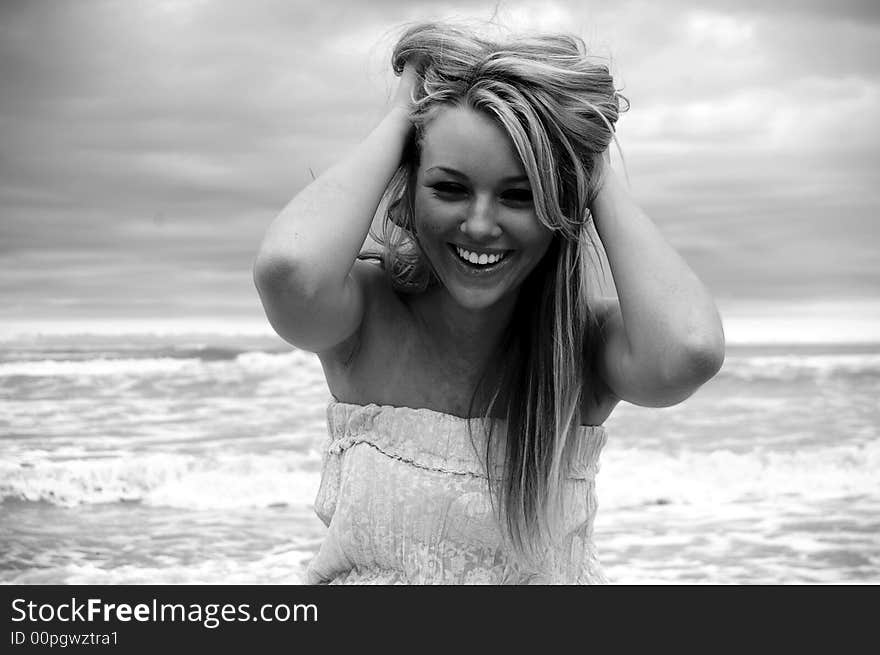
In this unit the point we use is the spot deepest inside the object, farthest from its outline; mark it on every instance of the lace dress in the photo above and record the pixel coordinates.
(403, 494)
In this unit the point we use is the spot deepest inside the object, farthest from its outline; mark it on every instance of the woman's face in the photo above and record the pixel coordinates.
(474, 215)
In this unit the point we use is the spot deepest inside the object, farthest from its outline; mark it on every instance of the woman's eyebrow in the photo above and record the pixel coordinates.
(451, 171)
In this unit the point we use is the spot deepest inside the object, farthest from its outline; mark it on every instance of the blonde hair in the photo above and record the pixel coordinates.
(559, 108)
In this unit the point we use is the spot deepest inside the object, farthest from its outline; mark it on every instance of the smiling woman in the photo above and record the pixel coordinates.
(471, 370)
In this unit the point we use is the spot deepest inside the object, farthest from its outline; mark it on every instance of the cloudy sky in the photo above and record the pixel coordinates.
(147, 145)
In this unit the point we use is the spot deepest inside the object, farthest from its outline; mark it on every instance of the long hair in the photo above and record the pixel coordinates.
(559, 108)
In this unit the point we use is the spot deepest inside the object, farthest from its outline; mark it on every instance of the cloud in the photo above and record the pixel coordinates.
(148, 145)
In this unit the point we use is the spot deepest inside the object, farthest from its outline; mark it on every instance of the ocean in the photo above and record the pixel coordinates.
(194, 459)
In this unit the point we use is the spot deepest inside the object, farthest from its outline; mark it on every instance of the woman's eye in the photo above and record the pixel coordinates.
(518, 196)
(448, 189)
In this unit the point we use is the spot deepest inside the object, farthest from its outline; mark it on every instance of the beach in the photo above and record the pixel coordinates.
(175, 458)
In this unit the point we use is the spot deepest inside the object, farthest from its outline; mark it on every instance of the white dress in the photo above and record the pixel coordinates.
(404, 496)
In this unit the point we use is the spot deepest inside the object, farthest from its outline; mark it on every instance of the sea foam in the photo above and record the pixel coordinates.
(169, 480)
(634, 477)
(95, 367)
(787, 367)
(629, 477)
(251, 362)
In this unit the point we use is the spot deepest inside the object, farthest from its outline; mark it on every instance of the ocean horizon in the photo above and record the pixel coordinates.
(821, 321)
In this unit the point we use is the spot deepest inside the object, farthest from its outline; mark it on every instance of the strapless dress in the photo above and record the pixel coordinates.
(404, 496)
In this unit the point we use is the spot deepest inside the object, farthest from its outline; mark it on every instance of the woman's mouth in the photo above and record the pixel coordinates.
(479, 261)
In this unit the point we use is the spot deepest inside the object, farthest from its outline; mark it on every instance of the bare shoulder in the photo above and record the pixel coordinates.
(379, 298)
(599, 401)
(604, 308)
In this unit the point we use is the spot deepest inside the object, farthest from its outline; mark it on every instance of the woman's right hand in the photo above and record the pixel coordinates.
(409, 81)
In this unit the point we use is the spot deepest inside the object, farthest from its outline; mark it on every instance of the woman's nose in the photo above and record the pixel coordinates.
(481, 223)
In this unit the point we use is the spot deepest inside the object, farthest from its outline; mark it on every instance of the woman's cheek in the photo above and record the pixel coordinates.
(437, 214)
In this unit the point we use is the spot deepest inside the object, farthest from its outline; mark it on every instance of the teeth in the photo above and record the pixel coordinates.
(482, 259)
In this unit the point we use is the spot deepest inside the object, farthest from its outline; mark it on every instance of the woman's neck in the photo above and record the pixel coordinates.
(459, 333)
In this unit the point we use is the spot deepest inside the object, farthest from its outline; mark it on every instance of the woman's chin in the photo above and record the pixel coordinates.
(476, 300)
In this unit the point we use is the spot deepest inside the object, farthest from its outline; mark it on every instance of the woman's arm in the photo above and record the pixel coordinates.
(663, 337)
(304, 268)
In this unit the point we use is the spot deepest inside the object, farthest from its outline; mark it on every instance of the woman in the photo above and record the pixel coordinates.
(472, 368)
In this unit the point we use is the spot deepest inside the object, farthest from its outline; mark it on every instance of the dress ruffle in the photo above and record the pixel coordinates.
(437, 441)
